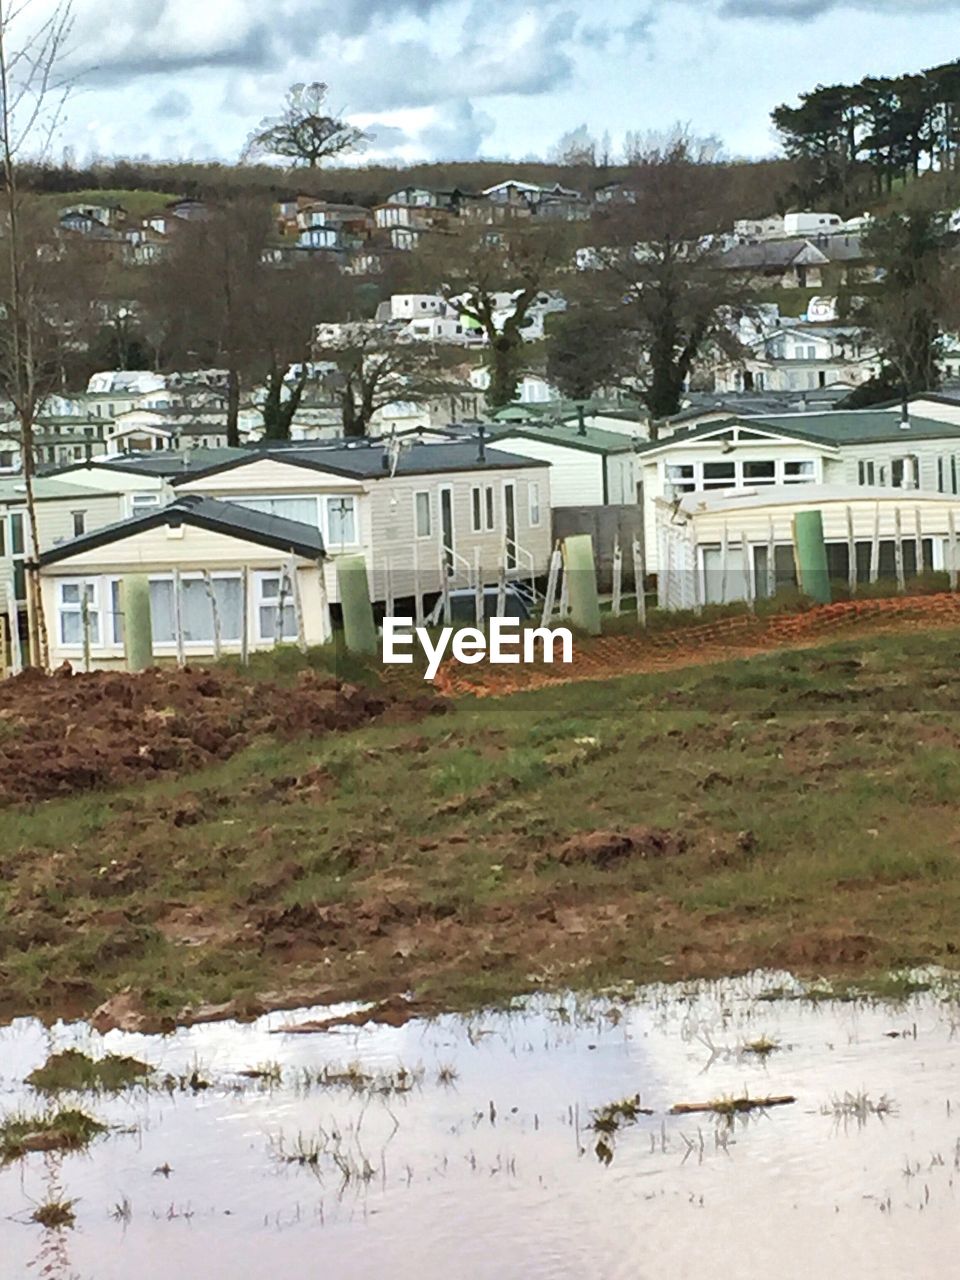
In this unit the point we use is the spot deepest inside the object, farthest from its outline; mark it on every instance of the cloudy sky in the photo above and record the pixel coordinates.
(463, 78)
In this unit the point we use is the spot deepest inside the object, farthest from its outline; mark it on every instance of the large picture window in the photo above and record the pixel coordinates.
(196, 610)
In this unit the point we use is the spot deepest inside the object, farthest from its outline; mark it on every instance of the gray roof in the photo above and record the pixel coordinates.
(773, 253)
(162, 462)
(229, 518)
(365, 460)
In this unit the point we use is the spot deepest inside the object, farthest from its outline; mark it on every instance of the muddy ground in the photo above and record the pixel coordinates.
(66, 733)
(799, 810)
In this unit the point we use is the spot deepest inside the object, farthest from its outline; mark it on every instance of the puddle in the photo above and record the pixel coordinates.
(464, 1147)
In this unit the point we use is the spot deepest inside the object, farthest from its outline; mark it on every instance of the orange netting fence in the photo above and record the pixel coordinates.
(604, 657)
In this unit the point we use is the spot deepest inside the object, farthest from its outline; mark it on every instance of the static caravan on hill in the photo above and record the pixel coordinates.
(222, 578)
(414, 511)
(720, 547)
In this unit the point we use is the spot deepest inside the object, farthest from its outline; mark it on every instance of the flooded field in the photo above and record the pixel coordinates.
(539, 1142)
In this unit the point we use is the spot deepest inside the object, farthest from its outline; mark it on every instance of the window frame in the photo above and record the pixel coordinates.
(260, 601)
(75, 609)
(534, 504)
(196, 575)
(428, 494)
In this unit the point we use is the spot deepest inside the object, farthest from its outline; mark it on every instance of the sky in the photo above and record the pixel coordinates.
(461, 79)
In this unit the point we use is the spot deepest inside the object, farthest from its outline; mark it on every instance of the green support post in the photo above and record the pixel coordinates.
(811, 556)
(580, 574)
(359, 630)
(137, 624)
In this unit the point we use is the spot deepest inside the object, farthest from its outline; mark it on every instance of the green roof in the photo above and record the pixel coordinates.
(857, 426)
(593, 440)
(831, 429)
(13, 489)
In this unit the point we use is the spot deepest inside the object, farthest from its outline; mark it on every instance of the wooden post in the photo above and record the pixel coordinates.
(617, 579)
(724, 558)
(639, 575)
(564, 602)
(417, 593)
(477, 588)
(502, 590)
(851, 554)
(281, 603)
(918, 529)
(388, 588)
(215, 614)
(291, 572)
(444, 588)
(952, 561)
(550, 598)
(245, 615)
(178, 619)
(771, 561)
(748, 571)
(13, 622)
(898, 549)
(85, 625)
(875, 546)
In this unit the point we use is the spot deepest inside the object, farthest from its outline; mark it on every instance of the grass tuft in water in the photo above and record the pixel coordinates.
(75, 1071)
(64, 1130)
(55, 1214)
(614, 1115)
(761, 1047)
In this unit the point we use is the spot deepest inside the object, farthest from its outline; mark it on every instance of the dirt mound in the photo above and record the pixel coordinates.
(66, 733)
(602, 848)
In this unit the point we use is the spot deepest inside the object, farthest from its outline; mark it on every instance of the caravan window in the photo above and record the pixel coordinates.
(341, 521)
(273, 594)
(421, 513)
(73, 596)
(196, 611)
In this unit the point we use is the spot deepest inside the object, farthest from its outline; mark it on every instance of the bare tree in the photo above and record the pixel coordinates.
(206, 291)
(304, 133)
(32, 95)
(376, 368)
(476, 267)
(660, 272)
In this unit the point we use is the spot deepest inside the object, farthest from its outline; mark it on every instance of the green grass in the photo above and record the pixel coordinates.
(64, 1130)
(137, 203)
(814, 797)
(75, 1071)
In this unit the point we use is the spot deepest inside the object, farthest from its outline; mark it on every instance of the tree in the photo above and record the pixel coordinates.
(659, 270)
(374, 368)
(206, 292)
(32, 93)
(916, 297)
(589, 349)
(493, 276)
(303, 132)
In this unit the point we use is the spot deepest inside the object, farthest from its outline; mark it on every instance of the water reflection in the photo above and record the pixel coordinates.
(542, 1141)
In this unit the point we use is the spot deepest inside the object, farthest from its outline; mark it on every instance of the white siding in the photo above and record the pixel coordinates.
(385, 519)
(576, 476)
